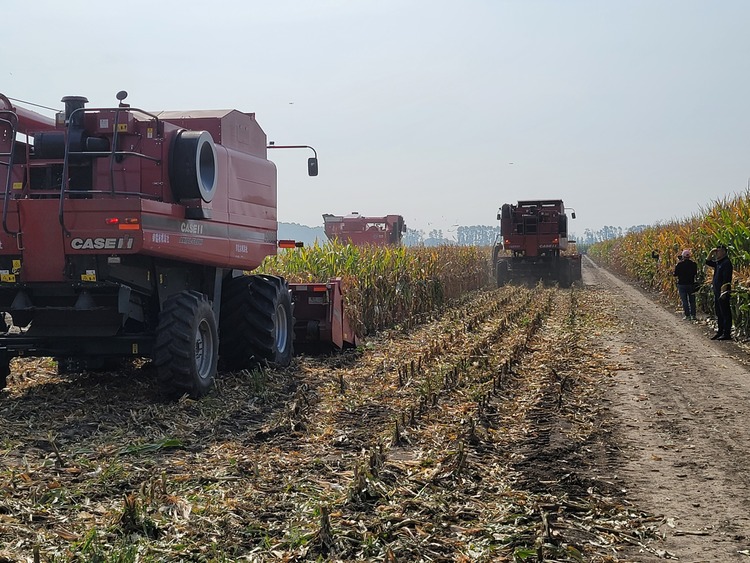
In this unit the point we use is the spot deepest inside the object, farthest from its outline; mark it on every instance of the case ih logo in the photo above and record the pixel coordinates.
(119, 243)
(191, 228)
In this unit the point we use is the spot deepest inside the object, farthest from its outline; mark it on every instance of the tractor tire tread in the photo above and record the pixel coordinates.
(247, 326)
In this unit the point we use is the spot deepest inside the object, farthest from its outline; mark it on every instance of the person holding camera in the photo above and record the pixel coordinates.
(685, 271)
(722, 286)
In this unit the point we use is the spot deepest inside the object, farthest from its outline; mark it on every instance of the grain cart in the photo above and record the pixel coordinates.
(320, 321)
(359, 230)
(129, 233)
(534, 236)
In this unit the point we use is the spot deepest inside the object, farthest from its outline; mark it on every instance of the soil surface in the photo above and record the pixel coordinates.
(680, 407)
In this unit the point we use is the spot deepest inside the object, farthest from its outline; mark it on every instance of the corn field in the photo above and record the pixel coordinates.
(387, 286)
(726, 221)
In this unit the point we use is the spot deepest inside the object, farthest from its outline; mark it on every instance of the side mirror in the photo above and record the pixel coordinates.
(312, 166)
(573, 215)
(498, 217)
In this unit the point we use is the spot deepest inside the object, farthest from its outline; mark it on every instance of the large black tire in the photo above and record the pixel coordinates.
(186, 351)
(256, 322)
(563, 273)
(501, 273)
(92, 364)
(4, 369)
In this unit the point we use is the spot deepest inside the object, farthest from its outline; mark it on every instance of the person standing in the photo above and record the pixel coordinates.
(685, 271)
(722, 286)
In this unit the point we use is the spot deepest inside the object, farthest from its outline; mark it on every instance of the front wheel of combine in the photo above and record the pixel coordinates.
(256, 322)
(186, 351)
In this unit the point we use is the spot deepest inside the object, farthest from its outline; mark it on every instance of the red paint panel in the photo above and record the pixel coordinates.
(43, 258)
(8, 243)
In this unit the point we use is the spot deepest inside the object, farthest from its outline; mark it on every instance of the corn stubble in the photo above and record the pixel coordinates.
(434, 445)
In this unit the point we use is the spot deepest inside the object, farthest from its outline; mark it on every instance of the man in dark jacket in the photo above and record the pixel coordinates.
(685, 271)
(722, 285)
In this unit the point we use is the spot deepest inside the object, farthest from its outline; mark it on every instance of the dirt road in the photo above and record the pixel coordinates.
(680, 404)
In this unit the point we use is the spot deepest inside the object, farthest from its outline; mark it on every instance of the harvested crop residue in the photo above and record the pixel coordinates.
(481, 435)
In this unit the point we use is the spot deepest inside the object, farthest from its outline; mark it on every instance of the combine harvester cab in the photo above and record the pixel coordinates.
(533, 245)
(127, 233)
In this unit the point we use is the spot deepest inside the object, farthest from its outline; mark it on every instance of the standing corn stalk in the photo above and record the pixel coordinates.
(386, 286)
(726, 222)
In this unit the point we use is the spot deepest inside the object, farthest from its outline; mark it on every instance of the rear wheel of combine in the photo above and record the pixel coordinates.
(187, 344)
(67, 365)
(256, 322)
(501, 273)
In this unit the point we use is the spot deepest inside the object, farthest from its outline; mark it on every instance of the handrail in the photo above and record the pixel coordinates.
(115, 138)
(64, 187)
(117, 153)
(11, 156)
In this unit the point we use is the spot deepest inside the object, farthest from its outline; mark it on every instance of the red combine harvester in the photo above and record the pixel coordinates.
(128, 233)
(535, 232)
(359, 230)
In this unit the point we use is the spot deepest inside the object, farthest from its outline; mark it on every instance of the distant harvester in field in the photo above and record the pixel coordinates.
(359, 230)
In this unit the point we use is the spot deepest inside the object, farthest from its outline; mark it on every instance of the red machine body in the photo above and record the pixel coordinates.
(320, 320)
(359, 230)
(138, 198)
(121, 225)
(534, 234)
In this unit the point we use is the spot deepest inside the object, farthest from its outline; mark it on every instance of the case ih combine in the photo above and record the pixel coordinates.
(129, 233)
(535, 233)
(359, 230)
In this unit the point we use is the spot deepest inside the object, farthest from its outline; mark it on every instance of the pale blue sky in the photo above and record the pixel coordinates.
(633, 112)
